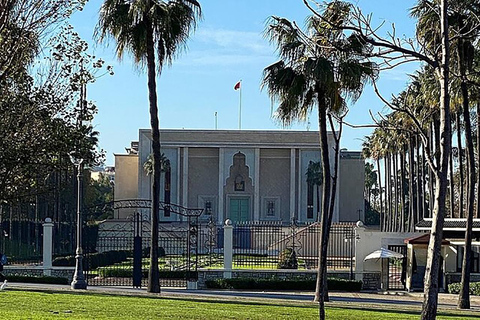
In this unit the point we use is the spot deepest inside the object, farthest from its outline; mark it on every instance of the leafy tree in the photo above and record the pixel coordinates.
(152, 31)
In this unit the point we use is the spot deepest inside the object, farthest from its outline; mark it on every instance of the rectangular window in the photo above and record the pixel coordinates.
(168, 178)
(310, 201)
(208, 207)
(270, 208)
(475, 259)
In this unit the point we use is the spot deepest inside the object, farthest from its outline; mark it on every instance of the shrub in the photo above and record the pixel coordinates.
(282, 284)
(146, 252)
(37, 279)
(287, 259)
(94, 260)
(128, 273)
(456, 286)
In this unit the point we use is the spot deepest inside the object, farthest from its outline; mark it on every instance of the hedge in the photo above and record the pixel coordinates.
(474, 288)
(95, 260)
(282, 284)
(37, 279)
(128, 273)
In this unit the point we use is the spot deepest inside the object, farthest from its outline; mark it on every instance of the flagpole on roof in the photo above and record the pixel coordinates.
(240, 108)
(238, 86)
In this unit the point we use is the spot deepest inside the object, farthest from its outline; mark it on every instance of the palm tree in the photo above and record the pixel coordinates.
(152, 31)
(311, 72)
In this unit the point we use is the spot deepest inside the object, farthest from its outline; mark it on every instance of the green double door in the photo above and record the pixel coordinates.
(239, 209)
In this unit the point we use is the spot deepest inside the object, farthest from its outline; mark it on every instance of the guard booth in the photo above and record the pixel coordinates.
(417, 262)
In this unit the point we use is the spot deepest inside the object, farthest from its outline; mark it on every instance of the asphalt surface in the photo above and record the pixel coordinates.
(385, 299)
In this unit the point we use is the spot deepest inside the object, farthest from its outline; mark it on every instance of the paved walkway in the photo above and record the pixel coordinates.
(390, 299)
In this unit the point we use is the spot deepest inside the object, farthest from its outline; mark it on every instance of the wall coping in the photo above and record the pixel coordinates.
(37, 268)
(269, 270)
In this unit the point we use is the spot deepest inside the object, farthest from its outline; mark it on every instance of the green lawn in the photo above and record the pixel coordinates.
(65, 305)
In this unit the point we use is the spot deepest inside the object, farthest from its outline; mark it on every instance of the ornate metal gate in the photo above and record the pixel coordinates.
(397, 268)
(118, 253)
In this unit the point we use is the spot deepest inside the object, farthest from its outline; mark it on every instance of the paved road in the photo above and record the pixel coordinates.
(390, 299)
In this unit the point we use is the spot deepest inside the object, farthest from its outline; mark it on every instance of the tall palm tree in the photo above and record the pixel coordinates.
(152, 31)
(312, 72)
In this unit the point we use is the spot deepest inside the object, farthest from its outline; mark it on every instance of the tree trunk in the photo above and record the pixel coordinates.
(404, 212)
(478, 159)
(452, 187)
(461, 169)
(396, 222)
(424, 185)
(464, 296)
(420, 181)
(322, 257)
(153, 274)
(389, 181)
(412, 195)
(430, 302)
(382, 214)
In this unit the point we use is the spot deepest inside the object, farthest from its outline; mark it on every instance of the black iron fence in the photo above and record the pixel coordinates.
(121, 254)
(266, 245)
(276, 245)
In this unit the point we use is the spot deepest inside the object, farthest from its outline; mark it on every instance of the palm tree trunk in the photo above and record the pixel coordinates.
(460, 163)
(322, 265)
(420, 181)
(464, 296)
(396, 203)
(389, 181)
(404, 212)
(452, 187)
(430, 180)
(412, 221)
(153, 274)
(424, 192)
(478, 159)
(430, 302)
(382, 214)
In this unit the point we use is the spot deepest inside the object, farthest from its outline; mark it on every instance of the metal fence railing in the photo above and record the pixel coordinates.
(275, 245)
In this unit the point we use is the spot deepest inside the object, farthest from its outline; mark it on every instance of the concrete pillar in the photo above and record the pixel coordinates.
(300, 215)
(292, 184)
(221, 177)
(359, 242)
(227, 249)
(256, 187)
(185, 178)
(47, 246)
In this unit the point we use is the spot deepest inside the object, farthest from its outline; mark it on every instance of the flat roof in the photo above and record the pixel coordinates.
(450, 224)
(208, 138)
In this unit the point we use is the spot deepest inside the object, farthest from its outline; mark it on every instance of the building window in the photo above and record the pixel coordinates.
(208, 207)
(475, 259)
(271, 208)
(168, 179)
(310, 201)
(239, 183)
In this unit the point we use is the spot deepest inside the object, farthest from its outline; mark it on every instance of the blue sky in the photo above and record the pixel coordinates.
(227, 46)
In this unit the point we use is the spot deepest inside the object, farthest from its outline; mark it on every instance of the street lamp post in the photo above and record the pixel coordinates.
(79, 281)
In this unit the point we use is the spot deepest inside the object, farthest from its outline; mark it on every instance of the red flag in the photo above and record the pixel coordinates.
(237, 86)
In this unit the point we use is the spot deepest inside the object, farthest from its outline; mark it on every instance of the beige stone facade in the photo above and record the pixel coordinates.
(242, 175)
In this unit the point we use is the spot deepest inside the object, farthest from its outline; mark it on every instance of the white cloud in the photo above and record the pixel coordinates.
(234, 40)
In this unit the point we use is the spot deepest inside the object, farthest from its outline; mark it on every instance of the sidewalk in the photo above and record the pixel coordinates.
(389, 299)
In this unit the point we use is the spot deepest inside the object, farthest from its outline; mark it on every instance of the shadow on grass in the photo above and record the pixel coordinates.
(412, 310)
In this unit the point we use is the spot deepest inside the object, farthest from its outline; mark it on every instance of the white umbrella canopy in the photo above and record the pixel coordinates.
(383, 253)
